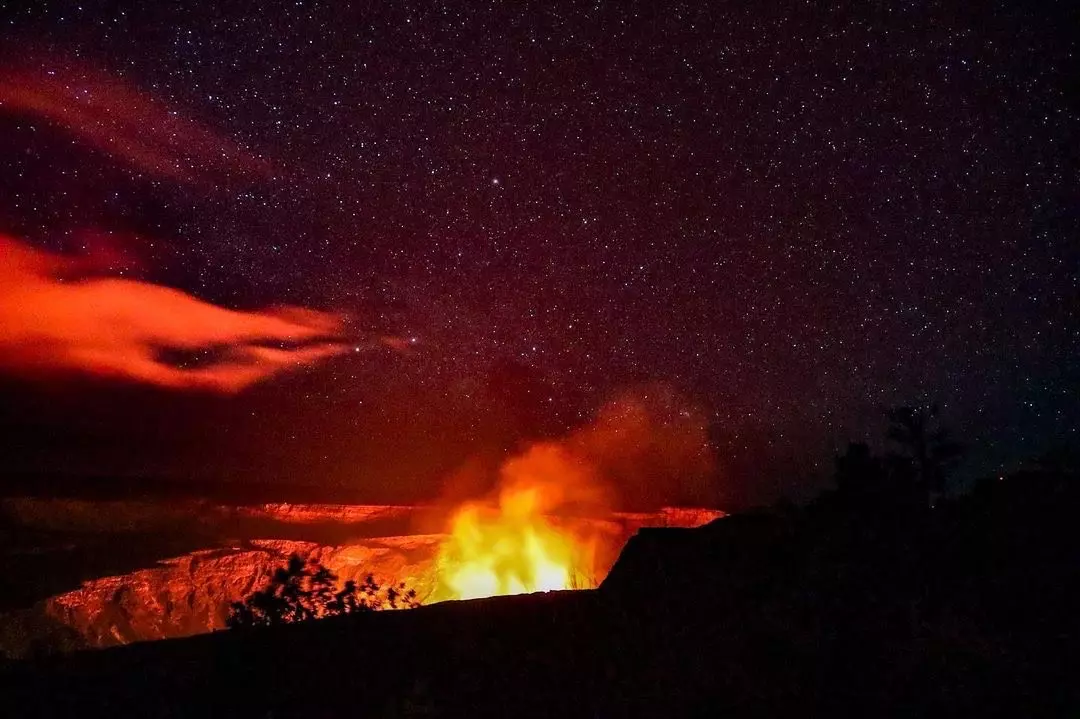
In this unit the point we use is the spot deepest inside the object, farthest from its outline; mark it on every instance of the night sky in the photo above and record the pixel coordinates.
(793, 216)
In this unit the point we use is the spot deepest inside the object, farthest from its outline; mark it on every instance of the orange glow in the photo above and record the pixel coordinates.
(550, 524)
(509, 550)
(515, 546)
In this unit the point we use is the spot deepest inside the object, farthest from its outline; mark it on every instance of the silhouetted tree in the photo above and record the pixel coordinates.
(866, 482)
(1060, 459)
(925, 453)
(302, 591)
(858, 470)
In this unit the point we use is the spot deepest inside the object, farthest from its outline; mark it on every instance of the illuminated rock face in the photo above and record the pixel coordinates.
(191, 594)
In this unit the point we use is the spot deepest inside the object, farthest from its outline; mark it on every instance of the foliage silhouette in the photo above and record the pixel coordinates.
(909, 477)
(300, 592)
(925, 453)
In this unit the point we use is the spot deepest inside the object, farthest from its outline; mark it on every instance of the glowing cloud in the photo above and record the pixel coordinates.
(63, 314)
(123, 122)
(126, 329)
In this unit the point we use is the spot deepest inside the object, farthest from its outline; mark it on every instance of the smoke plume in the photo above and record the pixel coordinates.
(650, 446)
(645, 448)
(546, 525)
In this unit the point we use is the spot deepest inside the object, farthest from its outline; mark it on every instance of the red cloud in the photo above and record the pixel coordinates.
(121, 328)
(124, 122)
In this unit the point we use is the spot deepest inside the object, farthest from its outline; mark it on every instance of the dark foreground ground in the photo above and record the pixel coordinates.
(853, 607)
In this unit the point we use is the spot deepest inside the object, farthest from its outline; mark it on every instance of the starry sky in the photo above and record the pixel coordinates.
(794, 215)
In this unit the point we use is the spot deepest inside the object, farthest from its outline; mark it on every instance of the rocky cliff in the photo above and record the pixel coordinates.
(191, 594)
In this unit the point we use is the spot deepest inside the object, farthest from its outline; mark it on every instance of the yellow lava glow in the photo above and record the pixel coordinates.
(509, 549)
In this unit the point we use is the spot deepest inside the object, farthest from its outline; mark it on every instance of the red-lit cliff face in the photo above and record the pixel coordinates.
(190, 594)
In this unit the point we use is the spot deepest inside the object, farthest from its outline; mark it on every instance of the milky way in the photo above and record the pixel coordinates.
(795, 216)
